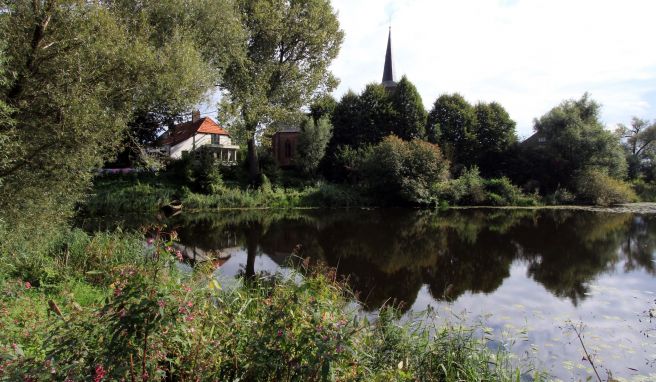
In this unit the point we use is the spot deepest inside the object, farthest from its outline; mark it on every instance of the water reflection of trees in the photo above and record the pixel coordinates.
(388, 255)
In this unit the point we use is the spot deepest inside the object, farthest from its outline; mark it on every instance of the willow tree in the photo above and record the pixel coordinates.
(76, 73)
(289, 47)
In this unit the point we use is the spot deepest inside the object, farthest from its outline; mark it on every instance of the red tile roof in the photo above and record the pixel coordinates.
(183, 131)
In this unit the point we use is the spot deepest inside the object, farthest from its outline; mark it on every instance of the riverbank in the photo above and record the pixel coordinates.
(99, 308)
(627, 208)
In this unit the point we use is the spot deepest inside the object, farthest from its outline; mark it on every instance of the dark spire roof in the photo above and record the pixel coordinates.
(389, 80)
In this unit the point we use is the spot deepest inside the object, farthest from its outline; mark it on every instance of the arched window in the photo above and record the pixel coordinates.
(288, 149)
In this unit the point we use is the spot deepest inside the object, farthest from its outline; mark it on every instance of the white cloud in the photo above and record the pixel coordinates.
(526, 54)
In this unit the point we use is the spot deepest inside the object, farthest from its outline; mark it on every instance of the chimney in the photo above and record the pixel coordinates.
(195, 115)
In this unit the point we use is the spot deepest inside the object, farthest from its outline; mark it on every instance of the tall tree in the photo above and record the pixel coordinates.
(639, 140)
(495, 136)
(322, 107)
(376, 112)
(290, 46)
(79, 71)
(575, 140)
(452, 124)
(312, 143)
(410, 115)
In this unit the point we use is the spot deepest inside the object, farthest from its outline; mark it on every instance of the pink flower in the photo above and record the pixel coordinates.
(178, 254)
(190, 304)
(150, 241)
(161, 303)
(279, 332)
(100, 373)
(28, 285)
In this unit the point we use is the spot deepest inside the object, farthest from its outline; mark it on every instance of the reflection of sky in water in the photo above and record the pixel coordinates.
(611, 313)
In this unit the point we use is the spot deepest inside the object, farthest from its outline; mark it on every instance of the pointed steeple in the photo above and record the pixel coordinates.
(389, 77)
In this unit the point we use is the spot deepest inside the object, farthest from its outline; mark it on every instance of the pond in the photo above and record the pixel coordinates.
(524, 274)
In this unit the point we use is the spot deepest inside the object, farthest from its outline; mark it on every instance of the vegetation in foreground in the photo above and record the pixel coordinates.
(105, 307)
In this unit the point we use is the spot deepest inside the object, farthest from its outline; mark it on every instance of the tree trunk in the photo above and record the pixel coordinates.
(252, 239)
(253, 164)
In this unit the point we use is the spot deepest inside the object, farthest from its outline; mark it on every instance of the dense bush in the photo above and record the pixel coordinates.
(199, 170)
(399, 171)
(646, 191)
(596, 187)
(471, 189)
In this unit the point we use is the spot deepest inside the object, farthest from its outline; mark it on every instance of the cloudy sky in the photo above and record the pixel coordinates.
(528, 55)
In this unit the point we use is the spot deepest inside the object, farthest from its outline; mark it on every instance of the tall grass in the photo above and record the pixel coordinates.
(145, 321)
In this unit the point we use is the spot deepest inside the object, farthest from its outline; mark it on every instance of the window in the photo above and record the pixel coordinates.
(288, 149)
(216, 139)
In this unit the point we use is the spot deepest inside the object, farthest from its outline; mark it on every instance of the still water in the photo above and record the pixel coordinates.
(525, 275)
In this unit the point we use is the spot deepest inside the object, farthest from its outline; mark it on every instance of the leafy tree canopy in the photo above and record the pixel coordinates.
(452, 124)
(410, 115)
(576, 140)
(77, 73)
(312, 143)
(639, 141)
(289, 47)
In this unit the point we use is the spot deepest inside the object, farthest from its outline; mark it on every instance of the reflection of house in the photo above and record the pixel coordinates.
(284, 145)
(188, 136)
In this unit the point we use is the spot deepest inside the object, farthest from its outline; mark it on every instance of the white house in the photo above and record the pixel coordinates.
(186, 137)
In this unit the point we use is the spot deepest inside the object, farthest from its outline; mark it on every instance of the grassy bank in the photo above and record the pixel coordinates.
(111, 309)
(141, 194)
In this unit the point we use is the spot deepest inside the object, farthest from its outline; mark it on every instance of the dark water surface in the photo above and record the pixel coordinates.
(523, 273)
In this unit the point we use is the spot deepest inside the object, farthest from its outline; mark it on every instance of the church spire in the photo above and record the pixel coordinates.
(389, 80)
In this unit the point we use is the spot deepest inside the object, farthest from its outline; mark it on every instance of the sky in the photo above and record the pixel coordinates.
(528, 55)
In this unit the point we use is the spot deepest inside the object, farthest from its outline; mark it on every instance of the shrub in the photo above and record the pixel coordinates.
(401, 171)
(199, 170)
(645, 191)
(471, 189)
(560, 196)
(596, 187)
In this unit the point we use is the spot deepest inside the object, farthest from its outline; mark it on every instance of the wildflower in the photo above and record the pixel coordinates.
(190, 304)
(279, 332)
(28, 285)
(100, 373)
(122, 313)
(150, 241)
(161, 303)
(178, 255)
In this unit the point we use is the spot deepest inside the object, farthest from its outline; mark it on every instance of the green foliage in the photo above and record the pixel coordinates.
(645, 191)
(79, 72)
(639, 141)
(118, 195)
(289, 50)
(312, 143)
(322, 107)
(156, 324)
(199, 170)
(401, 171)
(596, 187)
(471, 189)
(409, 119)
(574, 141)
(451, 124)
